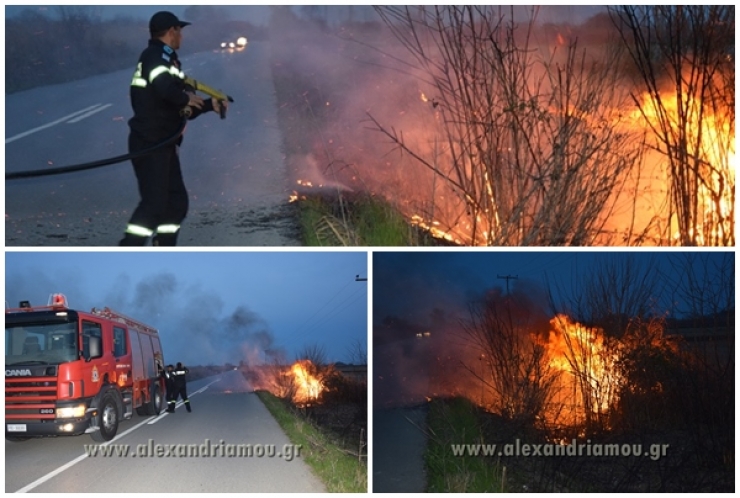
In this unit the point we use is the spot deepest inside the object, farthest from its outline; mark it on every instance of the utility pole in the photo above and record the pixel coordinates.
(507, 278)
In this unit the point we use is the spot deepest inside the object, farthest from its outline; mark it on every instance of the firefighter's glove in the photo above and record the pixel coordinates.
(195, 101)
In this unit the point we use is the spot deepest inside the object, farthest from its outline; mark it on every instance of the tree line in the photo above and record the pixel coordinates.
(74, 42)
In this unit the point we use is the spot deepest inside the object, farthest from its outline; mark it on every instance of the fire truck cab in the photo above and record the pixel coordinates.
(71, 372)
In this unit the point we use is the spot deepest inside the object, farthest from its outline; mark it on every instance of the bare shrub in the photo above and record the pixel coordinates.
(527, 148)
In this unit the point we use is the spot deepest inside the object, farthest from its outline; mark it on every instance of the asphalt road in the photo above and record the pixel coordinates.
(233, 168)
(224, 409)
(399, 443)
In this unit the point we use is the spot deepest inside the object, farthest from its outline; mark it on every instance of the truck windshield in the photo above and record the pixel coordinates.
(40, 344)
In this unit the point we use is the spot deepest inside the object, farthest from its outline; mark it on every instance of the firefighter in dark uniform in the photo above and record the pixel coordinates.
(169, 384)
(160, 101)
(181, 389)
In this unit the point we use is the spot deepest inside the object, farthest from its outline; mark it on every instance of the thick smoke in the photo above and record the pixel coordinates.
(193, 322)
(427, 353)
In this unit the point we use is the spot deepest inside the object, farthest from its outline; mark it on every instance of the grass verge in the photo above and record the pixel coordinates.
(339, 471)
(360, 220)
(455, 422)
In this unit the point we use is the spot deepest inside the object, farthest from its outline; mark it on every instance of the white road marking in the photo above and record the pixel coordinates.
(74, 462)
(49, 125)
(88, 114)
(55, 472)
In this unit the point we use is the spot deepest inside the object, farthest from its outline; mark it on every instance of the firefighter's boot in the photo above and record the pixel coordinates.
(165, 239)
(133, 240)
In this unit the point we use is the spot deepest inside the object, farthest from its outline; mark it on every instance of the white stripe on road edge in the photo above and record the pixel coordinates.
(80, 458)
(164, 414)
(88, 114)
(49, 125)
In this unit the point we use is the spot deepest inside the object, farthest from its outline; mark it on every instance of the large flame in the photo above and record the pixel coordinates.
(710, 142)
(588, 382)
(307, 382)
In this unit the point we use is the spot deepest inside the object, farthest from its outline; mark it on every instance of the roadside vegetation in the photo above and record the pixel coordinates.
(456, 421)
(649, 398)
(342, 470)
(50, 45)
(484, 131)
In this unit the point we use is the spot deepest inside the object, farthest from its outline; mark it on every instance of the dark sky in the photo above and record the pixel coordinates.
(410, 284)
(211, 307)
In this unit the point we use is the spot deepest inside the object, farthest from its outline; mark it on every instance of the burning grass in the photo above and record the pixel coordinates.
(558, 163)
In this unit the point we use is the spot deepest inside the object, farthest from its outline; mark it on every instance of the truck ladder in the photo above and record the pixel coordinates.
(121, 318)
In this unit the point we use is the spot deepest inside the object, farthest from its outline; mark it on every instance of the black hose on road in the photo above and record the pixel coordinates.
(96, 164)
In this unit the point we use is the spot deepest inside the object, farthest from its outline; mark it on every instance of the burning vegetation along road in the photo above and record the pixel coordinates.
(543, 134)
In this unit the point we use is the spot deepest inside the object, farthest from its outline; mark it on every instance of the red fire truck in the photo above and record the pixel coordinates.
(71, 372)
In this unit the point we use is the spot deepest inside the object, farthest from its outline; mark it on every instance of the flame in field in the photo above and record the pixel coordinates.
(710, 142)
(308, 385)
(587, 380)
(710, 139)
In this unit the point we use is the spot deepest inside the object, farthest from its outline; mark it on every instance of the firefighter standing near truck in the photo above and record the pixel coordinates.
(181, 389)
(161, 100)
(169, 384)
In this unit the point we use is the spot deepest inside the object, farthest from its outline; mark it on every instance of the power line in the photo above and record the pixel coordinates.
(307, 325)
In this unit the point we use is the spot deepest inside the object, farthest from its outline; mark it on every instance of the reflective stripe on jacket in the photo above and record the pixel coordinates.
(157, 93)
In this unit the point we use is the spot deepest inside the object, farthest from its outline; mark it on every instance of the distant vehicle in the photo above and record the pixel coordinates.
(71, 372)
(231, 46)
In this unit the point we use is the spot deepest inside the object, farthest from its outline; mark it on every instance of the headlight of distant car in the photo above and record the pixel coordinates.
(241, 41)
(223, 45)
(232, 45)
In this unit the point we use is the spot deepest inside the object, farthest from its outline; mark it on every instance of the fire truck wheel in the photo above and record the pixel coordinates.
(106, 419)
(155, 405)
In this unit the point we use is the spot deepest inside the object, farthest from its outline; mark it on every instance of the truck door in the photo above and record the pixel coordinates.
(92, 349)
(124, 374)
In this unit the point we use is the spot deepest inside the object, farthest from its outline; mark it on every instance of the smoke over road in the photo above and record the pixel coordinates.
(421, 348)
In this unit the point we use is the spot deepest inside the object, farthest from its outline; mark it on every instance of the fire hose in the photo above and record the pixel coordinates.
(196, 85)
(96, 164)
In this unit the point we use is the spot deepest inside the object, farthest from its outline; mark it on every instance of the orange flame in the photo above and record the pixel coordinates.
(308, 385)
(710, 140)
(588, 382)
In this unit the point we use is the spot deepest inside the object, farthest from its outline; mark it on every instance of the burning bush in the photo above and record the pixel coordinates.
(302, 383)
(588, 381)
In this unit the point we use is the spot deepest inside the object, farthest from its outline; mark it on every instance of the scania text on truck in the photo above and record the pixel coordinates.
(71, 372)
